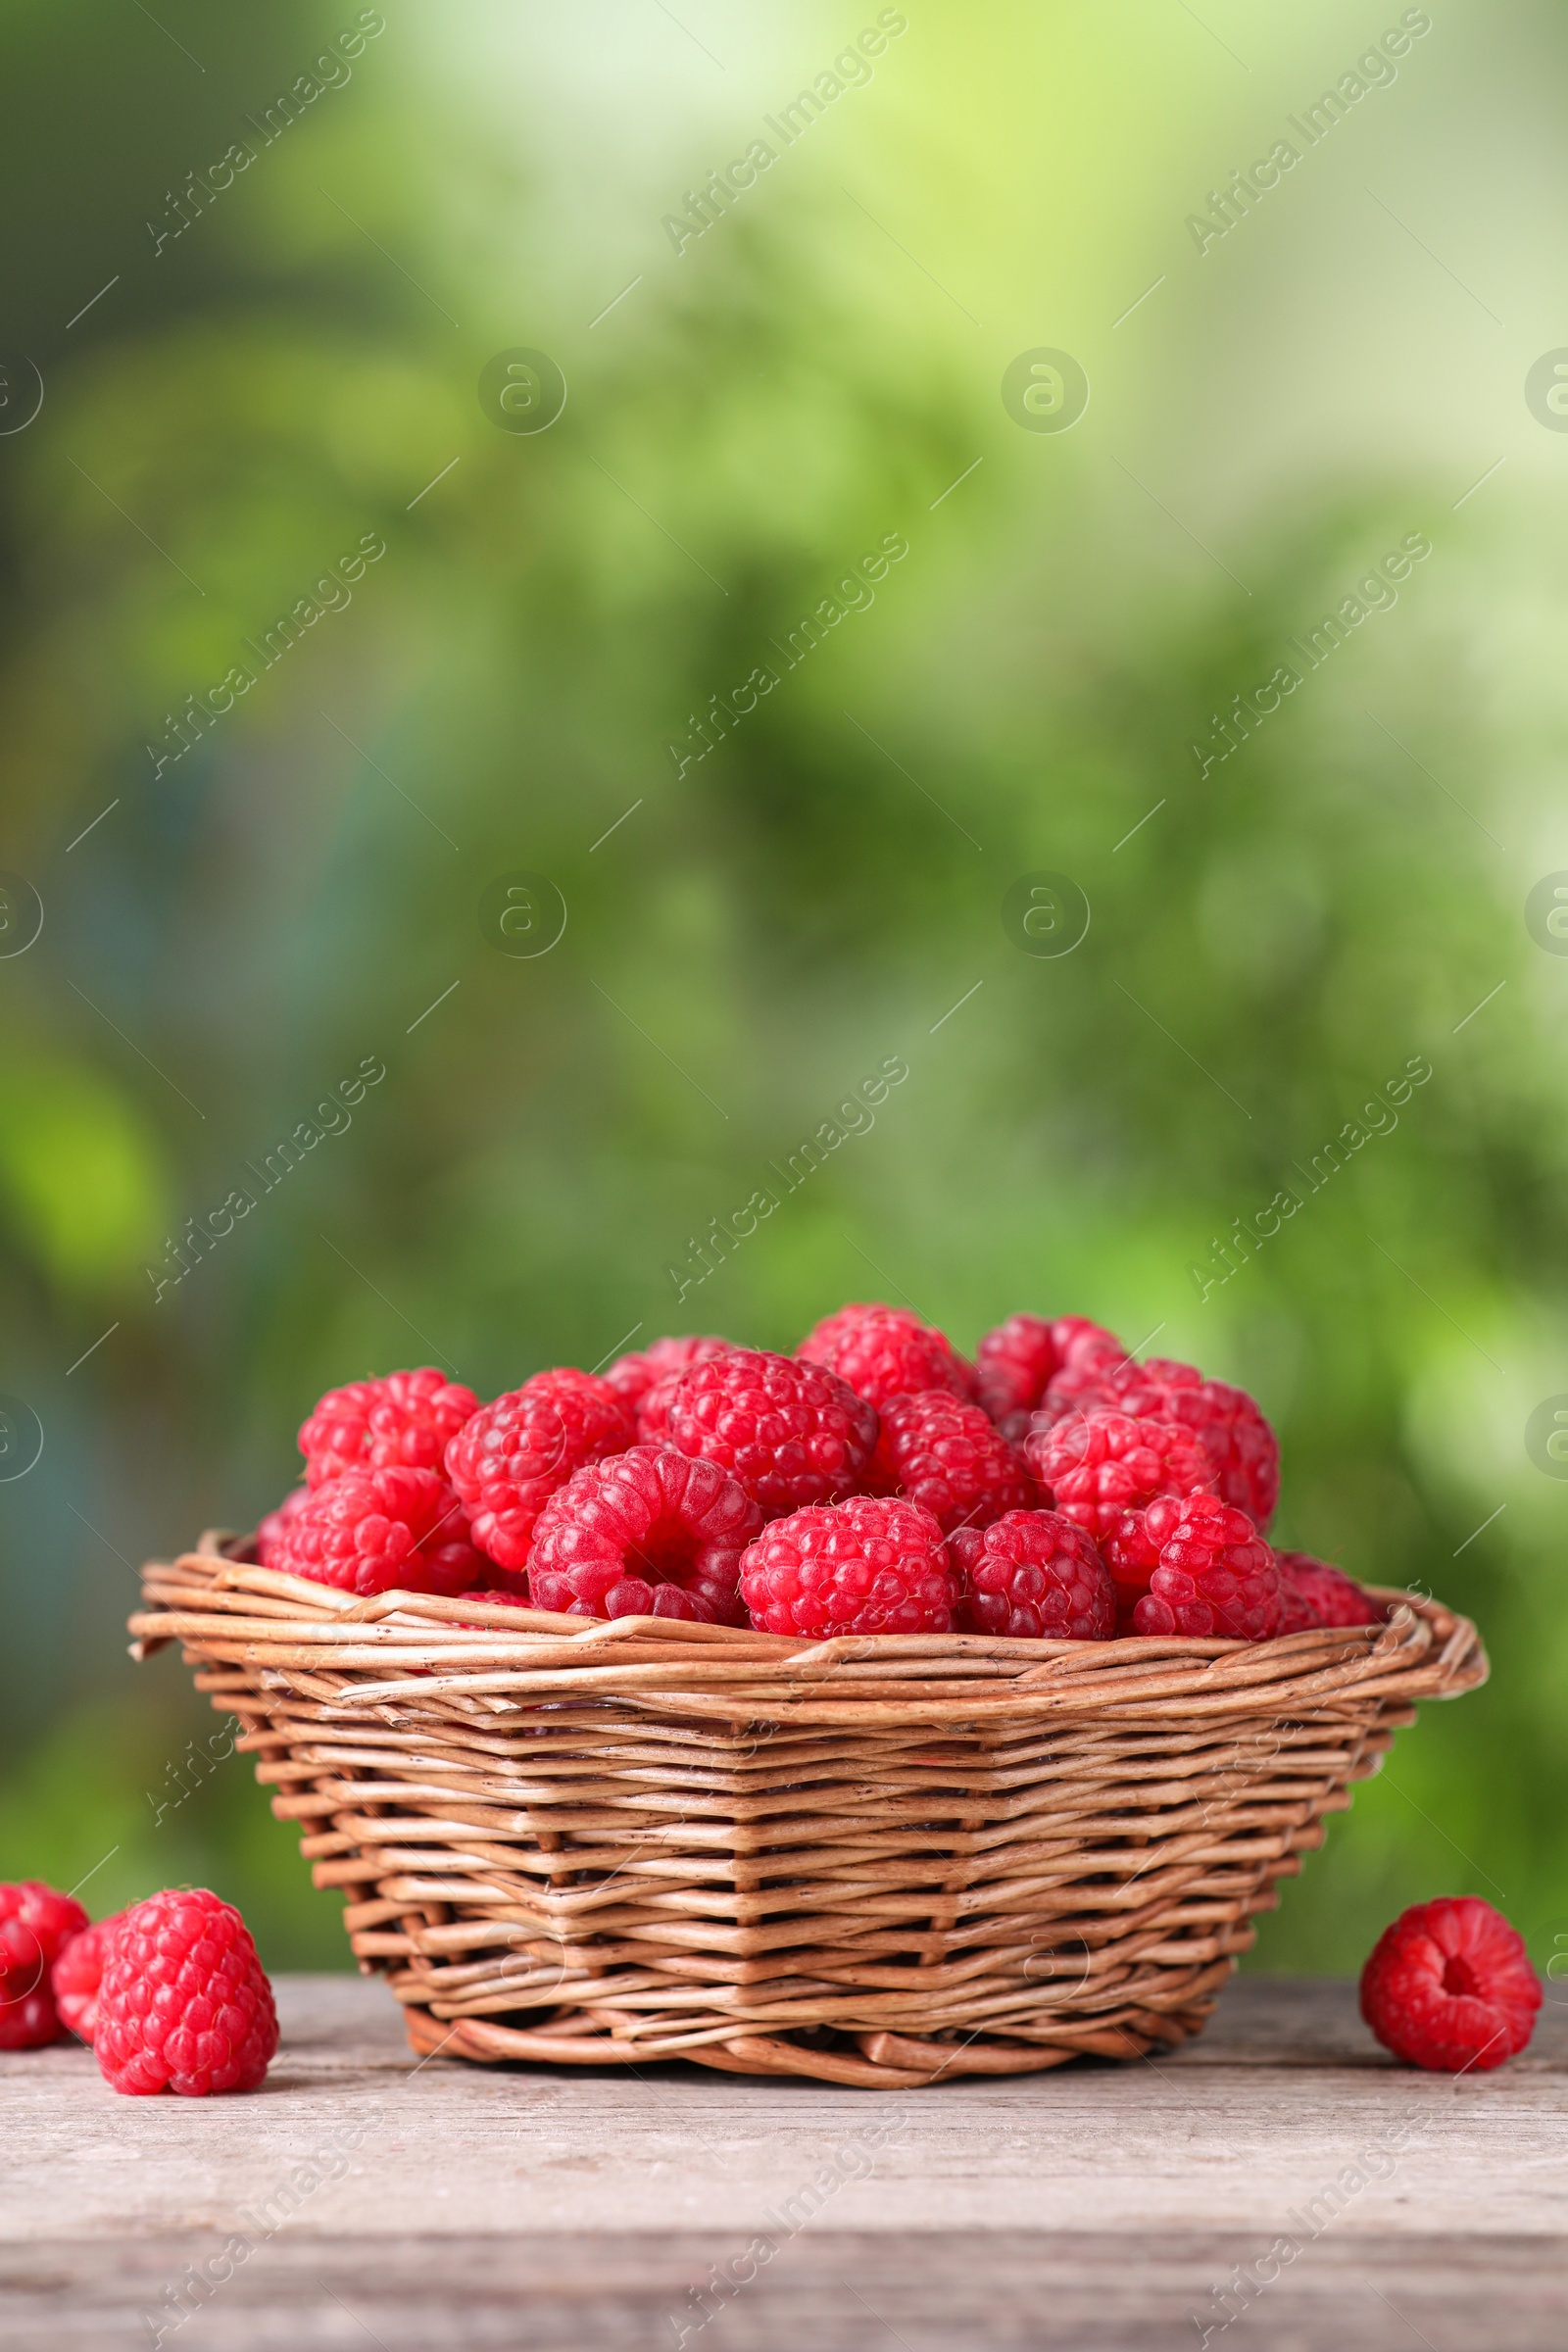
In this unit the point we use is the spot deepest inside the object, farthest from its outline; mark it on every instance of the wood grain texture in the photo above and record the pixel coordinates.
(448, 2206)
(877, 1861)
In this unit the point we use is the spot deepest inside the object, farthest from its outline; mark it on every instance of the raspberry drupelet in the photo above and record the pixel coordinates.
(507, 1461)
(647, 1379)
(1032, 1576)
(886, 1351)
(871, 1565)
(35, 1923)
(78, 1973)
(789, 1433)
(1450, 1987)
(647, 1532)
(270, 1530)
(371, 1530)
(1095, 1466)
(949, 1458)
(1317, 1594)
(402, 1421)
(1215, 1578)
(183, 2003)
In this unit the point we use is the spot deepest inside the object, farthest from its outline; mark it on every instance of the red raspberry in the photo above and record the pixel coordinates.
(1239, 1442)
(947, 1456)
(508, 1461)
(35, 1921)
(648, 1534)
(1317, 1594)
(871, 1565)
(1032, 1576)
(78, 1973)
(183, 2003)
(270, 1531)
(404, 1421)
(372, 1530)
(1098, 1465)
(790, 1433)
(1448, 1986)
(1217, 1580)
(885, 1351)
(1015, 1362)
(647, 1381)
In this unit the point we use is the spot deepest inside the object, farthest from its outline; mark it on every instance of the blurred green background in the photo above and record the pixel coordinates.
(244, 381)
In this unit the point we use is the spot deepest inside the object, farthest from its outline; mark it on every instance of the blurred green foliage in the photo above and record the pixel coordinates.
(751, 933)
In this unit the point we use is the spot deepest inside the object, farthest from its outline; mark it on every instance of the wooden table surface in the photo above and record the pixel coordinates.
(447, 2205)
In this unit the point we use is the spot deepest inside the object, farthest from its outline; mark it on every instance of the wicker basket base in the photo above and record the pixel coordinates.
(878, 1861)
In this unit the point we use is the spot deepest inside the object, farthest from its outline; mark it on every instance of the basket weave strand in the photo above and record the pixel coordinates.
(874, 1860)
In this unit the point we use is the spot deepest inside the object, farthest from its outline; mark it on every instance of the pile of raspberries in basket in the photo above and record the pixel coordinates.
(875, 1482)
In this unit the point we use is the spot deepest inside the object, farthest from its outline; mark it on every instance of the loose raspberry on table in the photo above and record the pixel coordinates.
(405, 1420)
(790, 1433)
(1217, 1580)
(271, 1531)
(652, 1532)
(1316, 1594)
(35, 1921)
(870, 1565)
(886, 1351)
(1032, 1576)
(1450, 1987)
(647, 1380)
(948, 1456)
(1014, 1363)
(374, 1531)
(1095, 1466)
(78, 1973)
(1227, 1422)
(509, 1459)
(183, 2003)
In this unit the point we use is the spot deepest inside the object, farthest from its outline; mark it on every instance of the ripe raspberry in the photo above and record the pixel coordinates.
(270, 1531)
(1015, 1362)
(404, 1421)
(790, 1433)
(1098, 1465)
(78, 1973)
(35, 1921)
(885, 1351)
(183, 2003)
(1217, 1580)
(648, 1533)
(372, 1530)
(870, 1565)
(1448, 1986)
(1032, 1576)
(1239, 1442)
(508, 1461)
(647, 1380)
(947, 1456)
(1317, 1594)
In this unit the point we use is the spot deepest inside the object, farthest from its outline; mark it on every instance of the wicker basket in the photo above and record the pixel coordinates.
(878, 1861)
